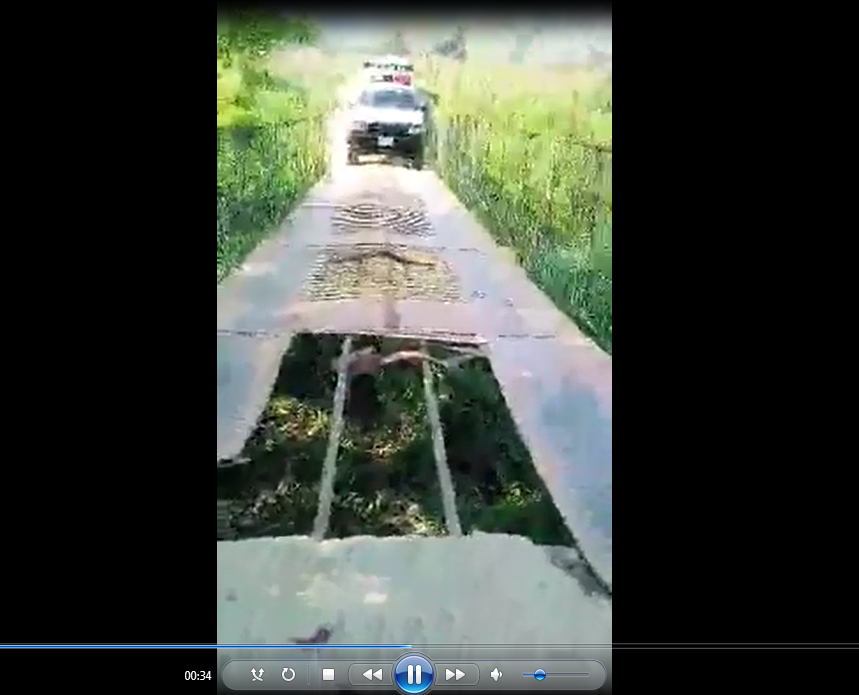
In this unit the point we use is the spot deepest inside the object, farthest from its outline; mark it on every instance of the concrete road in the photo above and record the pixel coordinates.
(467, 590)
(482, 589)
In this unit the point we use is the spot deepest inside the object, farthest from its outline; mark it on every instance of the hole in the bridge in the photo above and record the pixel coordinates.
(386, 482)
(498, 488)
(272, 487)
(376, 271)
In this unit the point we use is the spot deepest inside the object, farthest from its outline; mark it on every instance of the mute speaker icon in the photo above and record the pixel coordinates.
(496, 674)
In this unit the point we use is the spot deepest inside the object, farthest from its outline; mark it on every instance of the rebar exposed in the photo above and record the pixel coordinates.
(329, 466)
(448, 493)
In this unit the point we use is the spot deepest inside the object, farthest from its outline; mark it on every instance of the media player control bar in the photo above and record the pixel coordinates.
(493, 675)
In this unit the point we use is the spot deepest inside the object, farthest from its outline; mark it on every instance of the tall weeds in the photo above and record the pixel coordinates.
(529, 150)
(271, 136)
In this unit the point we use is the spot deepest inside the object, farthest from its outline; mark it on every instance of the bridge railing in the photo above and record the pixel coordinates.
(549, 198)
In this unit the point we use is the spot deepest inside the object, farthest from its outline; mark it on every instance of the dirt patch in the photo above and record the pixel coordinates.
(377, 270)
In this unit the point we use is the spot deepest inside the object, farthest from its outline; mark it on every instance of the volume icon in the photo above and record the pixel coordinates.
(496, 674)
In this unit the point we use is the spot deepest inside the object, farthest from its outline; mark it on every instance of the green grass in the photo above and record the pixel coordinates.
(529, 151)
(263, 171)
(271, 149)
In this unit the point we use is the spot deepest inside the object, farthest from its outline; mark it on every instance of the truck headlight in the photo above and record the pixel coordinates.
(359, 125)
(415, 129)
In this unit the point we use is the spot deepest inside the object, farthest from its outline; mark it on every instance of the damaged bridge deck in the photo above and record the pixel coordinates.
(434, 275)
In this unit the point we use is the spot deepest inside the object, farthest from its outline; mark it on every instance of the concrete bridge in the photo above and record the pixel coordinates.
(454, 285)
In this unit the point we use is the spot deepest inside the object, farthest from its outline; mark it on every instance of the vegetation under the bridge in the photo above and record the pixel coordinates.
(386, 481)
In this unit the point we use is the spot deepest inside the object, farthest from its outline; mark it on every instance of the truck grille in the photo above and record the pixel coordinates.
(388, 129)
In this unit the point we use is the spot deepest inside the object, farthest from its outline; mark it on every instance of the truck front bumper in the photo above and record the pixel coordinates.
(376, 143)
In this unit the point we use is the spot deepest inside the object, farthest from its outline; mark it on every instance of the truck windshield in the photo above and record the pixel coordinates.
(391, 99)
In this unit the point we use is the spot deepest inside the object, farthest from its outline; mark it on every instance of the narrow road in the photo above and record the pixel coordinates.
(557, 384)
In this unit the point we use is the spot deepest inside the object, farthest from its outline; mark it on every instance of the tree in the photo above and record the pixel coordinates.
(454, 47)
(245, 38)
(253, 33)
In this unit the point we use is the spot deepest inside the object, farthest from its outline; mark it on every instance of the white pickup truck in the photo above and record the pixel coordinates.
(387, 119)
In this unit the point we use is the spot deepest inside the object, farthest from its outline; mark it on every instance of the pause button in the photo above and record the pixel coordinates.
(413, 674)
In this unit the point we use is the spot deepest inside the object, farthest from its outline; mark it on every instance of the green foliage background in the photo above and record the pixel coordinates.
(271, 130)
(529, 151)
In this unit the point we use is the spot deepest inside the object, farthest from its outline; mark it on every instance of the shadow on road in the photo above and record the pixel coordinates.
(388, 160)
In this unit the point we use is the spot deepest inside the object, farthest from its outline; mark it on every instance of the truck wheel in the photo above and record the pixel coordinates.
(351, 157)
(418, 162)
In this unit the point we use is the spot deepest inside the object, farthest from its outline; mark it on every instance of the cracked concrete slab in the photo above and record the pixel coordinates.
(478, 589)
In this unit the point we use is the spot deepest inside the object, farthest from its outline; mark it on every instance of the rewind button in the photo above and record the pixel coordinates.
(370, 674)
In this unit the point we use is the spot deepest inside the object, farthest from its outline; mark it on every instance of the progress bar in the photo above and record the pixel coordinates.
(305, 647)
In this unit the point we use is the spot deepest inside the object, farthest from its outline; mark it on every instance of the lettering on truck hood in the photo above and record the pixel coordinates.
(372, 115)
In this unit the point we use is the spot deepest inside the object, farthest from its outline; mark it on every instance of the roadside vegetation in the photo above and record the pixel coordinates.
(271, 127)
(528, 149)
